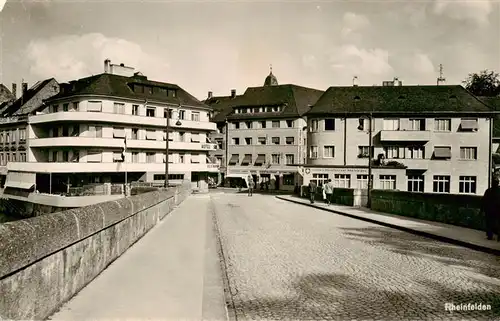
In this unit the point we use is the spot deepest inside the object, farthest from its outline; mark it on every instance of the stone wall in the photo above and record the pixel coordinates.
(343, 196)
(461, 210)
(46, 260)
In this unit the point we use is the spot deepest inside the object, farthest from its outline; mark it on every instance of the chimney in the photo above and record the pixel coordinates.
(210, 95)
(25, 88)
(107, 62)
(14, 90)
(355, 81)
(122, 65)
(233, 93)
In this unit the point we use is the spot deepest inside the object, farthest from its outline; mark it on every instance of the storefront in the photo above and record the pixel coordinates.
(270, 179)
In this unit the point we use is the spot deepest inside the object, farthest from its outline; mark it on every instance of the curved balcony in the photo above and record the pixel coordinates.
(35, 167)
(118, 143)
(132, 120)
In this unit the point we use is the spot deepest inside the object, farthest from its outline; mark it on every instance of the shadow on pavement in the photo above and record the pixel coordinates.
(337, 296)
(409, 244)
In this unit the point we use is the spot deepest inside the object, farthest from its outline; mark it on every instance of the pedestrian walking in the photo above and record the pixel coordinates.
(323, 191)
(312, 191)
(490, 206)
(251, 185)
(329, 192)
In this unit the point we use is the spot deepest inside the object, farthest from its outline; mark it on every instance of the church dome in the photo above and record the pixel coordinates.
(271, 79)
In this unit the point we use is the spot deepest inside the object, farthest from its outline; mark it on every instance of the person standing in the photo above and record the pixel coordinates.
(312, 191)
(329, 192)
(490, 206)
(251, 185)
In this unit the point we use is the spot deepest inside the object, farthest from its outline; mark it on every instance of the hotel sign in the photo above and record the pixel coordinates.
(208, 146)
(212, 165)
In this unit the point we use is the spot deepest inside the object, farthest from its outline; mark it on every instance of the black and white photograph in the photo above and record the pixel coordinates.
(241, 160)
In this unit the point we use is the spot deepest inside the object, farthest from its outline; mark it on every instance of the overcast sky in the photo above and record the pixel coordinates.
(219, 45)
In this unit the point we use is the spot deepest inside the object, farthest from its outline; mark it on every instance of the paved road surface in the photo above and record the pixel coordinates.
(290, 262)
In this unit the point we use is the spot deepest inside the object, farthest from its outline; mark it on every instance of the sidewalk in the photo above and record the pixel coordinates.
(466, 237)
(172, 273)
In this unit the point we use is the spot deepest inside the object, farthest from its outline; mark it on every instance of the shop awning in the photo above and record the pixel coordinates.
(442, 152)
(20, 180)
(234, 160)
(261, 159)
(246, 160)
(470, 124)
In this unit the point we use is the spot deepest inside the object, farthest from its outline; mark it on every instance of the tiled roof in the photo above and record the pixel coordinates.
(222, 106)
(5, 94)
(296, 99)
(32, 100)
(118, 86)
(494, 103)
(397, 100)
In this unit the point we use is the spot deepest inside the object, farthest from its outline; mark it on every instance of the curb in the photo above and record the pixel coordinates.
(475, 247)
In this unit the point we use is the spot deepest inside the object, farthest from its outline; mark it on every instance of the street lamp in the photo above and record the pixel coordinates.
(178, 123)
(370, 156)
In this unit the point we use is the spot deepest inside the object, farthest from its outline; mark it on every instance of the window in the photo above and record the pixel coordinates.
(387, 181)
(118, 132)
(391, 124)
(65, 107)
(94, 106)
(275, 159)
(182, 157)
(441, 184)
(7, 155)
(172, 93)
(236, 141)
(263, 124)
(329, 124)
(7, 135)
(314, 125)
(22, 134)
(195, 116)
(392, 152)
(415, 152)
(442, 152)
(14, 157)
(289, 179)
(135, 133)
(150, 112)
(416, 183)
(22, 157)
(289, 159)
(363, 181)
(75, 106)
(167, 113)
(262, 140)
(320, 179)
(236, 125)
(289, 140)
(182, 114)
(150, 134)
(416, 124)
(195, 158)
(275, 140)
(138, 88)
(135, 110)
(181, 136)
(76, 157)
(150, 157)
(195, 138)
(55, 108)
(255, 110)
(364, 151)
(364, 124)
(467, 184)
(220, 143)
(342, 180)
(248, 124)
(468, 153)
(276, 124)
(248, 140)
(289, 123)
(95, 131)
(117, 157)
(135, 157)
(442, 125)
(469, 124)
(313, 152)
(328, 151)
(119, 108)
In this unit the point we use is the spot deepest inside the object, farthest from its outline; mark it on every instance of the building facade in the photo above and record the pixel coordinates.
(112, 128)
(424, 139)
(263, 133)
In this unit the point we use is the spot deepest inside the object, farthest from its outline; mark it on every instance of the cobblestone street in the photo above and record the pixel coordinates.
(289, 262)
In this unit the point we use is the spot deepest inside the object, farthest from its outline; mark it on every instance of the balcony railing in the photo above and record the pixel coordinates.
(405, 135)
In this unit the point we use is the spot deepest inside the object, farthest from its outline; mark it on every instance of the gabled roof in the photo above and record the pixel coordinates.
(120, 86)
(222, 106)
(398, 100)
(5, 94)
(32, 100)
(296, 100)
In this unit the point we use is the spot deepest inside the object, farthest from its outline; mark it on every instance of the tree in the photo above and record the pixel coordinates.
(486, 83)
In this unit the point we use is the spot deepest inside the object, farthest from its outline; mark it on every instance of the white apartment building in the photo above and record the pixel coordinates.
(433, 139)
(265, 132)
(112, 127)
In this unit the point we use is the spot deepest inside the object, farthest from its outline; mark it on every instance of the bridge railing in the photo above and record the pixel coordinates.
(47, 259)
